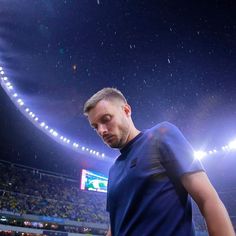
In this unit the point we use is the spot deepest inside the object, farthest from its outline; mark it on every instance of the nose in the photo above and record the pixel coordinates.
(102, 130)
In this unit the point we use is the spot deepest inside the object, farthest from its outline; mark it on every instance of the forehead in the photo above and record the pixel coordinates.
(102, 108)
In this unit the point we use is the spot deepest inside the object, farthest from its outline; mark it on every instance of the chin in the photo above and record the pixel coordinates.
(113, 145)
(116, 145)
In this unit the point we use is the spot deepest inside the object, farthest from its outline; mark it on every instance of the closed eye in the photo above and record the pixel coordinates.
(105, 119)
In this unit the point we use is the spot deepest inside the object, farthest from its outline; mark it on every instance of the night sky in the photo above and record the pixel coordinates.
(173, 60)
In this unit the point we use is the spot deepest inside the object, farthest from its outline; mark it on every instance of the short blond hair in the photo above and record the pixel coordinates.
(103, 94)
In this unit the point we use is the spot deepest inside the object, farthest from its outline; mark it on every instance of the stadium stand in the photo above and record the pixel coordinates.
(51, 197)
(46, 201)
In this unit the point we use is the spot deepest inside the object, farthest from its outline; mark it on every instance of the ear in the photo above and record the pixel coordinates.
(127, 109)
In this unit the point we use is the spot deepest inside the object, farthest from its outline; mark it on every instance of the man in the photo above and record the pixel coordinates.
(150, 182)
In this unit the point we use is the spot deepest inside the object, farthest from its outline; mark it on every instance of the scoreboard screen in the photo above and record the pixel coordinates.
(93, 181)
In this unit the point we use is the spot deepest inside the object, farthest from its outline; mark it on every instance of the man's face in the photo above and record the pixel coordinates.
(110, 119)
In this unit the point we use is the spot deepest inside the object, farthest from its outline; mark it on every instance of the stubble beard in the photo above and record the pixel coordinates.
(120, 142)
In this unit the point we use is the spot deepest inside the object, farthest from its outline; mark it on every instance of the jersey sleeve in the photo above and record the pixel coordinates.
(177, 155)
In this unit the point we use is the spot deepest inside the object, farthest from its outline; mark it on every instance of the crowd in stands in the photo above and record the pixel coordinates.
(27, 191)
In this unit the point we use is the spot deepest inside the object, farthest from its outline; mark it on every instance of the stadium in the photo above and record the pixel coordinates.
(71, 201)
(174, 61)
(43, 202)
(38, 202)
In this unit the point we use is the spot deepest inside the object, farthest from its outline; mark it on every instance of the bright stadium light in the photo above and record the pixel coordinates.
(9, 85)
(9, 88)
(227, 147)
(232, 144)
(20, 102)
(76, 145)
(42, 124)
(199, 154)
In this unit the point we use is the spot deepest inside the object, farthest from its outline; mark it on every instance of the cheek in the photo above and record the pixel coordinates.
(116, 124)
(113, 126)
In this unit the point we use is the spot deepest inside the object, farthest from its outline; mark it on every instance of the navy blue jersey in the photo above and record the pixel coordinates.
(145, 196)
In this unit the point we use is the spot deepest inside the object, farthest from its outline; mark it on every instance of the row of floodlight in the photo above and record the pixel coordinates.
(227, 148)
(62, 139)
(8, 87)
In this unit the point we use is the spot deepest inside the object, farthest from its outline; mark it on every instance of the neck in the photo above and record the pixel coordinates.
(132, 134)
(135, 133)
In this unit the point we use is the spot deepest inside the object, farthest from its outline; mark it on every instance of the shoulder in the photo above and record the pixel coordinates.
(168, 134)
(164, 128)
